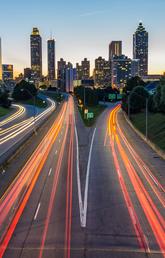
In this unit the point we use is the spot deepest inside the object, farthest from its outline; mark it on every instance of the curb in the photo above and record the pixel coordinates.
(150, 144)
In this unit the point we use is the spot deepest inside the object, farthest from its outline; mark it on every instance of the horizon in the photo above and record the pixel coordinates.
(76, 29)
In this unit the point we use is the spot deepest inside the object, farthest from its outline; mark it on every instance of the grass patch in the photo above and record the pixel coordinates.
(97, 110)
(156, 127)
(38, 102)
(4, 111)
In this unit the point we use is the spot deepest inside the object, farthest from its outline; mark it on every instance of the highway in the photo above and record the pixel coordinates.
(19, 125)
(86, 192)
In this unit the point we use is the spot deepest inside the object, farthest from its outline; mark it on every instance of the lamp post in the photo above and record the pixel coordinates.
(146, 118)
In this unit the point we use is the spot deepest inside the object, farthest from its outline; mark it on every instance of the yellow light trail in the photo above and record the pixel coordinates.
(20, 112)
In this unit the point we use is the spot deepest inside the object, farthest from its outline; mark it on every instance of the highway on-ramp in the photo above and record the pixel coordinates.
(18, 126)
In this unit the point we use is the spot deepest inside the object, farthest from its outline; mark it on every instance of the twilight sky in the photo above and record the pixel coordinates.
(82, 28)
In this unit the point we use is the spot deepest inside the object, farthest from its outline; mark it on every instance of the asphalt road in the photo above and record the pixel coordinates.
(87, 194)
(15, 131)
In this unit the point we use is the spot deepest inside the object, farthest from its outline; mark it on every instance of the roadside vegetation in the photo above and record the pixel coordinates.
(5, 102)
(4, 111)
(91, 105)
(156, 127)
(96, 110)
(38, 102)
(135, 99)
(26, 93)
(54, 95)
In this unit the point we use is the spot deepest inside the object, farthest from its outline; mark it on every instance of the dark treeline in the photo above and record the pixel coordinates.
(135, 96)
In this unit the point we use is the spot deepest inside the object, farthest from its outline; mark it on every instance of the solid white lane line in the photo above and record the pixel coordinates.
(78, 180)
(87, 181)
(50, 171)
(36, 214)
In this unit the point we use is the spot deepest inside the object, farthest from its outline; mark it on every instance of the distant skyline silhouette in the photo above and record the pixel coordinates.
(81, 29)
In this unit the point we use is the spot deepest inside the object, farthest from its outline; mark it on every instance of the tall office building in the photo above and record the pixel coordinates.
(36, 54)
(85, 69)
(102, 73)
(140, 49)
(79, 71)
(0, 60)
(135, 67)
(70, 75)
(51, 59)
(61, 67)
(115, 49)
(7, 72)
(121, 71)
(27, 73)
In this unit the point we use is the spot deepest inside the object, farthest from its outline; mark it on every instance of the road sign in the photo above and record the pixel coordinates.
(90, 115)
(112, 96)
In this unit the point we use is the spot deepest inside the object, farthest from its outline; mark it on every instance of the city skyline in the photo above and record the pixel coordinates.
(76, 33)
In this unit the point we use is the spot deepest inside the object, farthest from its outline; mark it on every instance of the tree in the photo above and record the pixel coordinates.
(157, 98)
(133, 82)
(162, 98)
(138, 99)
(24, 91)
(151, 104)
(91, 95)
(4, 99)
(124, 104)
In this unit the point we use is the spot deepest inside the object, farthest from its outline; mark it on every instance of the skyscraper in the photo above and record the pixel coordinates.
(121, 71)
(79, 71)
(51, 59)
(70, 75)
(140, 49)
(135, 67)
(61, 68)
(27, 73)
(85, 69)
(102, 73)
(36, 54)
(7, 72)
(115, 49)
(0, 60)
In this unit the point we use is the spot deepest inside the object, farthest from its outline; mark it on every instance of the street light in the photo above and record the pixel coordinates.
(34, 105)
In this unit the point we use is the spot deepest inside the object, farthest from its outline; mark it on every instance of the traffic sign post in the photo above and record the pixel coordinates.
(112, 96)
(90, 115)
(85, 112)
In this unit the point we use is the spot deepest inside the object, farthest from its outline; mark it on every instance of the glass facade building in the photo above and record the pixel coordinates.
(7, 72)
(36, 54)
(102, 72)
(51, 59)
(140, 49)
(115, 49)
(0, 60)
(85, 64)
(121, 71)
